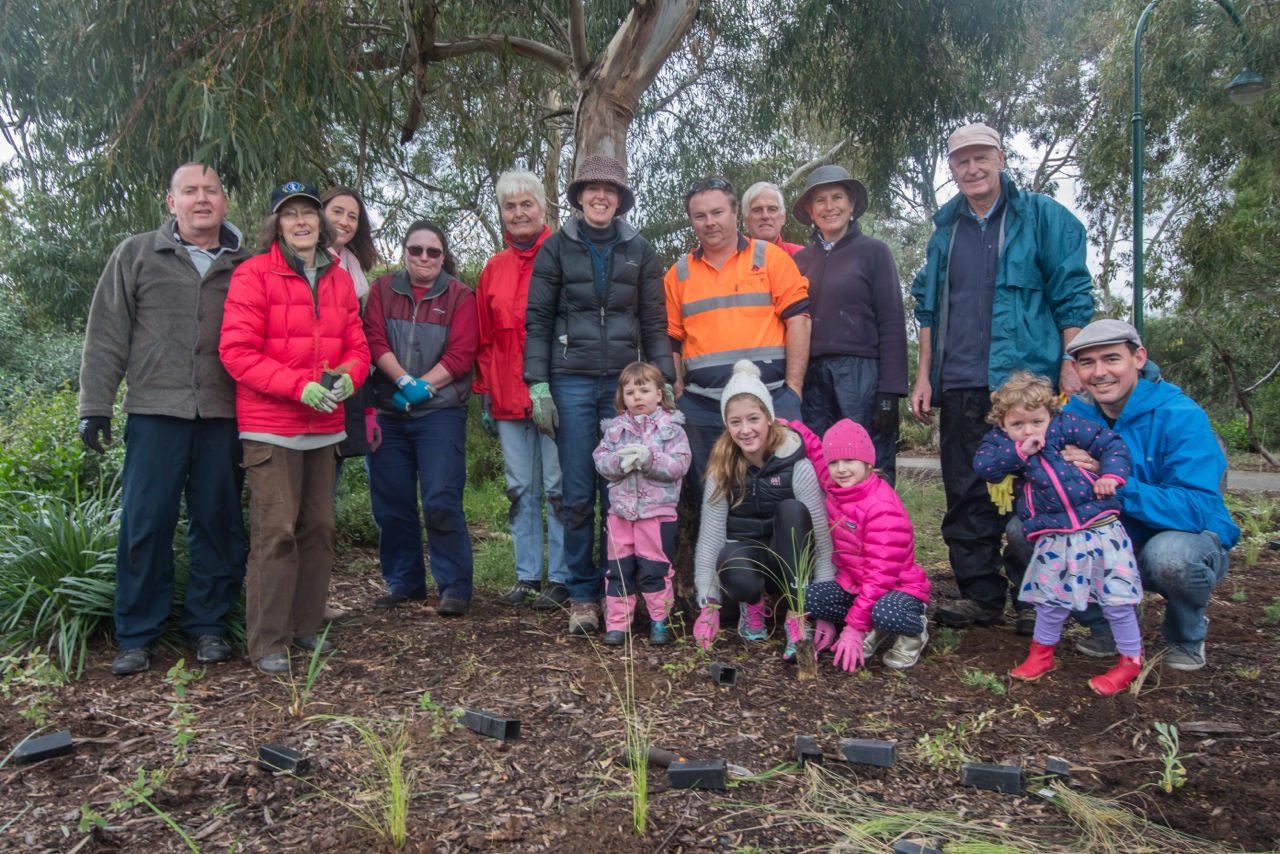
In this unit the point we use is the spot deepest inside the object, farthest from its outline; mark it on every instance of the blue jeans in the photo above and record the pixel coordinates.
(532, 467)
(703, 424)
(1183, 568)
(583, 402)
(424, 455)
(167, 459)
(837, 387)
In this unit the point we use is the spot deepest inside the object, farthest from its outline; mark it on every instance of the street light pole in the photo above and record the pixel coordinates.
(1245, 89)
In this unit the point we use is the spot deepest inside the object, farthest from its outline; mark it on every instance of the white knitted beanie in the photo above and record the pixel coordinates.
(746, 380)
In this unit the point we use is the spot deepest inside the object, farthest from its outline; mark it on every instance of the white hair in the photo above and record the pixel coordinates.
(518, 183)
(759, 187)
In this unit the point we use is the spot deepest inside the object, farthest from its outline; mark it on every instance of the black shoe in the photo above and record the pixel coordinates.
(212, 649)
(275, 664)
(133, 661)
(308, 643)
(1024, 622)
(521, 593)
(553, 598)
(452, 606)
(390, 600)
(614, 638)
(967, 612)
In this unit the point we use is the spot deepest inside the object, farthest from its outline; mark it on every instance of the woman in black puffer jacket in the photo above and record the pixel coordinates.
(596, 304)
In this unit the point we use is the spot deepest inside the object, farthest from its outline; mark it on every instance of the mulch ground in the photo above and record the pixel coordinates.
(560, 786)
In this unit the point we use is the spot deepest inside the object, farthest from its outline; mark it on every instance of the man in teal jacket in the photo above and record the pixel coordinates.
(1171, 506)
(1004, 287)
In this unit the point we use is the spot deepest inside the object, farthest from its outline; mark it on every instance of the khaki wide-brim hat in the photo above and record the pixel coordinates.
(830, 175)
(602, 168)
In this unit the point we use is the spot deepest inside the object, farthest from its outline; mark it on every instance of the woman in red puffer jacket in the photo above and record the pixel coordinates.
(291, 315)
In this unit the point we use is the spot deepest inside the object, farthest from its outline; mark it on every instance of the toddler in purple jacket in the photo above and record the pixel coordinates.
(1082, 552)
(644, 454)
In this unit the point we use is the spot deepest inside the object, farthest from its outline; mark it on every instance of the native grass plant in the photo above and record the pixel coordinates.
(300, 690)
(1172, 774)
(856, 822)
(1259, 520)
(947, 640)
(794, 595)
(1237, 592)
(981, 679)
(952, 745)
(384, 791)
(57, 573)
(1271, 613)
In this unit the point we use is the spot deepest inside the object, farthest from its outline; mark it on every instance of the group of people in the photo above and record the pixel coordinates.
(762, 375)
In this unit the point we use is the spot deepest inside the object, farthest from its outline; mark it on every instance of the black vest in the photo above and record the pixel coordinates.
(766, 488)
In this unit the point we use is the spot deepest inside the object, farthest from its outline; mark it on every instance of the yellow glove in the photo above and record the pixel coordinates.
(1002, 494)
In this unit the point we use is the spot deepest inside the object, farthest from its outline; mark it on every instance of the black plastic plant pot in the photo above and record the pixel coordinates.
(276, 758)
(723, 674)
(699, 774)
(1058, 768)
(995, 778)
(490, 724)
(869, 751)
(807, 751)
(906, 846)
(44, 747)
(329, 379)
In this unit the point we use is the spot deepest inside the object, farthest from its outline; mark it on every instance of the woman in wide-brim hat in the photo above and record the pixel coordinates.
(596, 304)
(858, 348)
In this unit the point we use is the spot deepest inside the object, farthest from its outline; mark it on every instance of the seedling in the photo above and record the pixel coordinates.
(980, 679)
(1271, 613)
(298, 698)
(947, 641)
(1173, 774)
(1237, 592)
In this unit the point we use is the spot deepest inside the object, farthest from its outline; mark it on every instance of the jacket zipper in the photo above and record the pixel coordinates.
(1062, 495)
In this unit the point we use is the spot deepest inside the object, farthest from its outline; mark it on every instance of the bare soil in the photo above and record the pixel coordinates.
(560, 787)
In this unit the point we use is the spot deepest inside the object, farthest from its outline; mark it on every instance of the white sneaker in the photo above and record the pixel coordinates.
(906, 650)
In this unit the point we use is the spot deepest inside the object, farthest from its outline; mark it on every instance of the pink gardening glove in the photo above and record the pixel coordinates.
(707, 626)
(824, 634)
(372, 432)
(849, 649)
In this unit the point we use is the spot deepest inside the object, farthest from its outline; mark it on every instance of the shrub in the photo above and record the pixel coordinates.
(40, 451)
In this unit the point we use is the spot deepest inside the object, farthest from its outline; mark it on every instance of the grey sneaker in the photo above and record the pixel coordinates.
(906, 650)
(966, 612)
(211, 649)
(1179, 658)
(553, 598)
(1097, 646)
(520, 593)
(133, 661)
(274, 664)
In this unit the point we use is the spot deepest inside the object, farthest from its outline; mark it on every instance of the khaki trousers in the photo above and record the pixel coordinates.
(290, 543)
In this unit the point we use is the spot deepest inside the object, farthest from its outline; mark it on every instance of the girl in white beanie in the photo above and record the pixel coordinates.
(758, 510)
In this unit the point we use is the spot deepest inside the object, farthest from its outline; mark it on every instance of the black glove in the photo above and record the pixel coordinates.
(94, 430)
(884, 414)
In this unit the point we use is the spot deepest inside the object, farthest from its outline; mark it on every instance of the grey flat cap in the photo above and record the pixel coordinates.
(1103, 332)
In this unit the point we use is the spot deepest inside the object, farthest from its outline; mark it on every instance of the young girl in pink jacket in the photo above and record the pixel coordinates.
(879, 591)
(644, 454)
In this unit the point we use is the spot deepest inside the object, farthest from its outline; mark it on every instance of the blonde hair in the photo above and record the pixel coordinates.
(639, 373)
(1023, 390)
(727, 465)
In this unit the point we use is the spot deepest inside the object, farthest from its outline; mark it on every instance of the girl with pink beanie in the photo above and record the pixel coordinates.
(879, 591)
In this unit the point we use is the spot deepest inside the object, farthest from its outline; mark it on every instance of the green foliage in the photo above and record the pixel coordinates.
(354, 524)
(1271, 613)
(27, 682)
(981, 679)
(40, 451)
(33, 355)
(1172, 774)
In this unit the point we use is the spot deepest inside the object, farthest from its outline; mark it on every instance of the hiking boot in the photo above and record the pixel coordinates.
(1024, 622)
(452, 606)
(1097, 646)
(130, 662)
(212, 649)
(388, 601)
(275, 664)
(752, 625)
(660, 633)
(1179, 658)
(906, 649)
(553, 598)
(308, 643)
(966, 612)
(1119, 677)
(1039, 662)
(333, 612)
(873, 641)
(584, 618)
(520, 593)
(616, 637)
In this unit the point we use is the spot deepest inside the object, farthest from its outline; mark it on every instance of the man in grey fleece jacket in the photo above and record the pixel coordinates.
(154, 322)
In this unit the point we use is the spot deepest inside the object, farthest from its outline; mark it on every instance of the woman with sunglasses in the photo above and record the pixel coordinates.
(291, 314)
(596, 304)
(423, 336)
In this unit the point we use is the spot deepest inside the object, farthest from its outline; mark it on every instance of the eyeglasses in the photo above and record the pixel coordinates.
(432, 252)
(300, 213)
(703, 184)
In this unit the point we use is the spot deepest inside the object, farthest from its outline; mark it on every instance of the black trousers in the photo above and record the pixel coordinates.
(748, 568)
(972, 526)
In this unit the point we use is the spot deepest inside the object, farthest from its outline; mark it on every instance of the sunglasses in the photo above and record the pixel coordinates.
(703, 184)
(431, 251)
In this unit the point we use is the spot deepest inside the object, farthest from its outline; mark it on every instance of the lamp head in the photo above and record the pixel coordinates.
(1247, 88)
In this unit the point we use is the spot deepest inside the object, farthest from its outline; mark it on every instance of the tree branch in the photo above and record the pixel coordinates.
(1271, 373)
(578, 35)
(1241, 399)
(821, 159)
